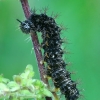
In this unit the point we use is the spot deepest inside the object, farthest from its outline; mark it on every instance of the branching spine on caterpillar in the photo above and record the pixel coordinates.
(52, 52)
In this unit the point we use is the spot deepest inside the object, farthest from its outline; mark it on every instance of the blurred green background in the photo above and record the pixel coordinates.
(81, 17)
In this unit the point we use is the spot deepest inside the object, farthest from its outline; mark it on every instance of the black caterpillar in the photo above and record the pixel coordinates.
(52, 52)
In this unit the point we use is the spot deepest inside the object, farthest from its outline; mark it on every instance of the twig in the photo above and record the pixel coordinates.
(35, 42)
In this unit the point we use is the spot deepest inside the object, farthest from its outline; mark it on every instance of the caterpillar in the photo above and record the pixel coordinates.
(52, 52)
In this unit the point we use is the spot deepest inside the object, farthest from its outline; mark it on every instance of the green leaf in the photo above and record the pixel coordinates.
(26, 93)
(14, 98)
(4, 80)
(17, 79)
(39, 83)
(29, 67)
(47, 93)
(39, 96)
(25, 75)
(3, 87)
(13, 86)
(29, 73)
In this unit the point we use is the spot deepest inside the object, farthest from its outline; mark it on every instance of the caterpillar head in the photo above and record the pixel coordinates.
(25, 26)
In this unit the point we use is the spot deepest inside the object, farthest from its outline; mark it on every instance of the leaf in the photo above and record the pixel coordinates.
(3, 87)
(29, 67)
(13, 86)
(26, 93)
(4, 80)
(29, 73)
(38, 83)
(25, 75)
(39, 96)
(47, 93)
(17, 79)
(14, 98)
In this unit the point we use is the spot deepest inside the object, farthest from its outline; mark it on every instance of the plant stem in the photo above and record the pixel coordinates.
(35, 41)
(36, 46)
